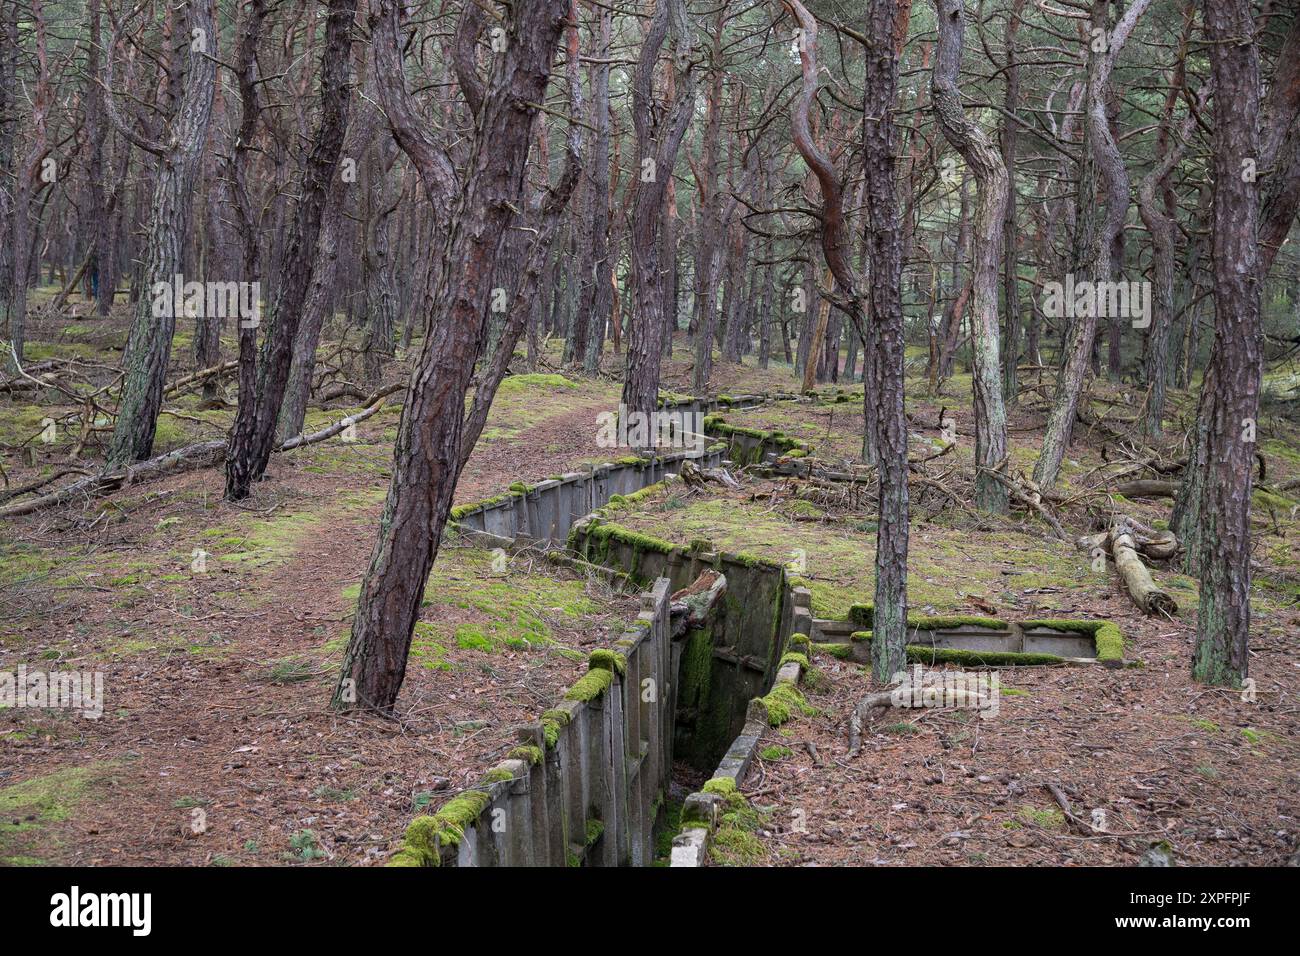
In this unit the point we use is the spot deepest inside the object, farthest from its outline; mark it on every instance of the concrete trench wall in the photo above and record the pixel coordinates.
(586, 784)
(546, 511)
(741, 649)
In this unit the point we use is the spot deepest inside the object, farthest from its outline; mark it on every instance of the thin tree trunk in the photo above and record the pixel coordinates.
(1105, 152)
(657, 141)
(990, 207)
(885, 236)
(1161, 227)
(252, 437)
(148, 348)
(1010, 231)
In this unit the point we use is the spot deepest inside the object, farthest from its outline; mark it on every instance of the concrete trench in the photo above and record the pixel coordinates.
(587, 782)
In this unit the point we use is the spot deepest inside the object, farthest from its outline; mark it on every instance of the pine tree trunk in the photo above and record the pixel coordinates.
(658, 140)
(885, 235)
(427, 457)
(1223, 622)
(149, 345)
(990, 208)
(252, 437)
(1103, 151)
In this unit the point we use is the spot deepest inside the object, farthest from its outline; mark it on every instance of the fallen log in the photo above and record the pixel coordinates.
(957, 696)
(25, 489)
(199, 455)
(1153, 544)
(1147, 488)
(696, 477)
(1137, 579)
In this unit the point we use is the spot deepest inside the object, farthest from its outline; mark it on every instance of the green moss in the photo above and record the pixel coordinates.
(608, 660)
(591, 685)
(1051, 818)
(841, 651)
(531, 381)
(553, 721)
(721, 786)
(425, 836)
(776, 752)
(269, 541)
(783, 702)
(1264, 500)
(791, 657)
(927, 654)
(605, 534)
(498, 775)
(595, 829)
(1107, 637)
(529, 753)
(1109, 641)
(734, 842)
(28, 807)
(922, 654)
(469, 637)
(696, 668)
(953, 621)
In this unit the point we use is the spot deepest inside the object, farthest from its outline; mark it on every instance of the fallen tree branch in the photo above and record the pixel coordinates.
(1063, 802)
(1147, 488)
(1141, 588)
(185, 383)
(29, 487)
(199, 455)
(1031, 499)
(691, 606)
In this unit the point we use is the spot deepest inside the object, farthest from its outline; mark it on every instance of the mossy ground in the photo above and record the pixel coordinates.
(836, 561)
(29, 807)
(472, 603)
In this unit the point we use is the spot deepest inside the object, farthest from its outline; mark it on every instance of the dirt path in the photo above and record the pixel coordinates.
(202, 756)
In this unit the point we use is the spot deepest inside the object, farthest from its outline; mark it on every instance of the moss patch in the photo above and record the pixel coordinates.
(783, 702)
(29, 807)
(426, 836)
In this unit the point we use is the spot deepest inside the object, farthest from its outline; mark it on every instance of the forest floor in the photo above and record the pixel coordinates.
(216, 744)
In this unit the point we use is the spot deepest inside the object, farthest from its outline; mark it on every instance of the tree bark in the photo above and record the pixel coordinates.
(427, 456)
(1010, 231)
(252, 437)
(1161, 227)
(658, 137)
(148, 347)
(990, 207)
(1221, 654)
(885, 239)
(1105, 152)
